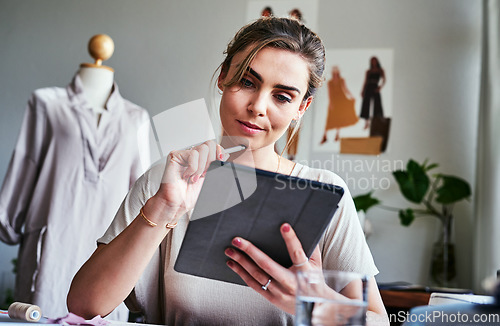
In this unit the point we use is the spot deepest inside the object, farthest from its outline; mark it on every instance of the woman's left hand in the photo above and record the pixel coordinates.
(274, 282)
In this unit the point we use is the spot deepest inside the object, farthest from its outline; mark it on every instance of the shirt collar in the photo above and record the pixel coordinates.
(75, 94)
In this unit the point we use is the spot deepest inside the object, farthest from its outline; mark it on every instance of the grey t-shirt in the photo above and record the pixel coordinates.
(168, 297)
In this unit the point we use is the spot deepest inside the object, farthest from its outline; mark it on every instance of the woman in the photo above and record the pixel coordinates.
(271, 72)
(374, 81)
(341, 112)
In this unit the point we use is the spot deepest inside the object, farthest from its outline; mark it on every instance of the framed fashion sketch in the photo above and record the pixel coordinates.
(353, 109)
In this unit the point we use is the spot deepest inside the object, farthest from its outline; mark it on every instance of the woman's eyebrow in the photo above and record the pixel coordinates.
(288, 88)
(255, 74)
(280, 86)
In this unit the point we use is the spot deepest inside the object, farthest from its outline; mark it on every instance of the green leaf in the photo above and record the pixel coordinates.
(406, 216)
(364, 202)
(432, 166)
(413, 182)
(452, 189)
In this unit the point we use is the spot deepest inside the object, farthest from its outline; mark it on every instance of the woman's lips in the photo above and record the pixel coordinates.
(250, 128)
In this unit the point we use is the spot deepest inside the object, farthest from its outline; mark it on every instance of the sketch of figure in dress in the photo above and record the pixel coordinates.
(296, 14)
(341, 110)
(267, 12)
(374, 81)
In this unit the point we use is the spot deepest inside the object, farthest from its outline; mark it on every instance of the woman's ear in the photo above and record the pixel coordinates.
(221, 78)
(303, 107)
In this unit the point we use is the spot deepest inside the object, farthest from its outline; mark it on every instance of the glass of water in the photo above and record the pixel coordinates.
(319, 301)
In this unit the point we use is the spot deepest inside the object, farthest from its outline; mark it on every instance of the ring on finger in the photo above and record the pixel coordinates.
(264, 287)
(301, 264)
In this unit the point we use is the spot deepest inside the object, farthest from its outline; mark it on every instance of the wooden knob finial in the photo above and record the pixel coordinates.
(101, 47)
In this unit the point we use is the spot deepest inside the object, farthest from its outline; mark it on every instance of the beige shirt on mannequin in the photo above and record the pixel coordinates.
(65, 181)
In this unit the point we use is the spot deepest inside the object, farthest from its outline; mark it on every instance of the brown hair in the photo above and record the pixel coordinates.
(281, 33)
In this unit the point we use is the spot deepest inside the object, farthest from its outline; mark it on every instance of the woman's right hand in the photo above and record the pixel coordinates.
(182, 180)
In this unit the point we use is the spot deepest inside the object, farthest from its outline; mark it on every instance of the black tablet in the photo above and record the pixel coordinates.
(236, 200)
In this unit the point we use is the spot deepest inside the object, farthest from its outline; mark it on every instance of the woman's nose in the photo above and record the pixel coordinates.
(258, 104)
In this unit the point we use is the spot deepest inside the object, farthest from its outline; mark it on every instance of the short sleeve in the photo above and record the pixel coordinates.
(343, 246)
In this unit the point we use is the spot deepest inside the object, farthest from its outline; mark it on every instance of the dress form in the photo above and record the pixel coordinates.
(97, 80)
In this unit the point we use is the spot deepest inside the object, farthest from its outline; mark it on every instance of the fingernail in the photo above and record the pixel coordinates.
(195, 178)
(286, 227)
(236, 242)
(230, 263)
(221, 156)
(229, 251)
(204, 174)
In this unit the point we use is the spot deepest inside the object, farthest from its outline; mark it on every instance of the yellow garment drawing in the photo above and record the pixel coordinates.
(341, 111)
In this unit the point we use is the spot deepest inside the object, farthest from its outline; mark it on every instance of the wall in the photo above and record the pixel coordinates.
(166, 52)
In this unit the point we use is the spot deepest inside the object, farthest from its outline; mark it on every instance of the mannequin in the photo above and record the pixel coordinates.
(67, 178)
(97, 79)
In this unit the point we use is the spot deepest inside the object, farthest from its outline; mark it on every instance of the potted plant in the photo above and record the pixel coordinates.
(433, 195)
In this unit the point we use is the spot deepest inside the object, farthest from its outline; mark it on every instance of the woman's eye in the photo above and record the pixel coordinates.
(246, 83)
(282, 98)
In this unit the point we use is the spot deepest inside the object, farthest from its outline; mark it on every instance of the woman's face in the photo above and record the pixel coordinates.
(270, 94)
